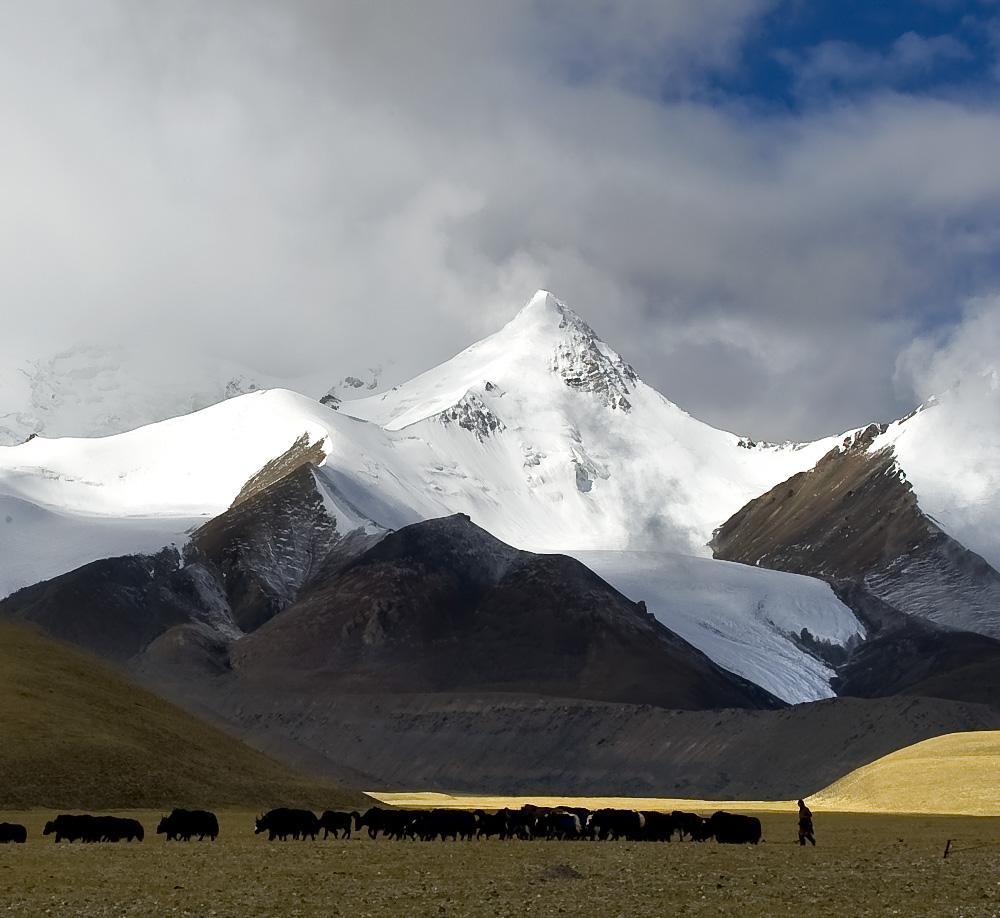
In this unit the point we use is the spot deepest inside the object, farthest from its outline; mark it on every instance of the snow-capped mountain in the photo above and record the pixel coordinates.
(547, 438)
(541, 434)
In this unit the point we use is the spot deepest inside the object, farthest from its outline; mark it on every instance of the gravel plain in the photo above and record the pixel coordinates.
(862, 865)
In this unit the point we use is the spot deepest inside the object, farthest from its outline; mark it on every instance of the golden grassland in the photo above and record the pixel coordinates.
(75, 733)
(956, 774)
(862, 865)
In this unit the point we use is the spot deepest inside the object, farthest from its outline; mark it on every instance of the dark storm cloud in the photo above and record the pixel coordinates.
(318, 188)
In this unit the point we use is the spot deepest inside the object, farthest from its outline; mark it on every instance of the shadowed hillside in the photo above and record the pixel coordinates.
(76, 734)
(443, 606)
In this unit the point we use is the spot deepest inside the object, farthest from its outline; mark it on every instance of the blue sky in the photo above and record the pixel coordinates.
(803, 52)
(785, 215)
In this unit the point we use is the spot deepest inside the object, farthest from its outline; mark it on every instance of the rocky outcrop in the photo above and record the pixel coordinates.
(471, 413)
(583, 362)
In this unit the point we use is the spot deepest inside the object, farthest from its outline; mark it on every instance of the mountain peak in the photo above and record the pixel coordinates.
(543, 303)
(548, 311)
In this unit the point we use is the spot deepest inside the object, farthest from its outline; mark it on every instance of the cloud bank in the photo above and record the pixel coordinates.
(310, 189)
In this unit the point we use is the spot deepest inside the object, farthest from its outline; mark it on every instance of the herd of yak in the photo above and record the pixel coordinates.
(529, 822)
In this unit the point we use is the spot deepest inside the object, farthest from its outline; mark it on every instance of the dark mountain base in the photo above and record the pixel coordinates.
(504, 743)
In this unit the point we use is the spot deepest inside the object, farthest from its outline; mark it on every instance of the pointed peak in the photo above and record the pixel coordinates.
(545, 303)
(545, 309)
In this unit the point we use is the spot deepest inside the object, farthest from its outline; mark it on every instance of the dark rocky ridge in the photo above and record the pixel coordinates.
(906, 655)
(117, 607)
(444, 606)
(273, 542)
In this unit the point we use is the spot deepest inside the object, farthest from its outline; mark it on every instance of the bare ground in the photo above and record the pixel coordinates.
(863, 865)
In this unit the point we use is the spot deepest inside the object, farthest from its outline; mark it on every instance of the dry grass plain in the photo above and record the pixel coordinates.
(863, 865)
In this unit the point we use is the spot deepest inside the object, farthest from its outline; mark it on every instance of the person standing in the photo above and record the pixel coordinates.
(805, 824)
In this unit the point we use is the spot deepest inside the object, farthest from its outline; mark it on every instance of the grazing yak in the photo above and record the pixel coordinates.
(12, 832)
(94, 828)
(446, 823)
(615, 824)
(183, 825)
(729, 828)
(334, 821)
(398, 824)
(564, 826)
(282, 822)
(690, 824)
(490, 824)
(657, 826)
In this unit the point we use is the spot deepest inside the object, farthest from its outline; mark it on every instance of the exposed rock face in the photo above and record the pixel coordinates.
(443, 606)
(474, 415)
(585, 363)
(300, 453)
(854, 517)
(268, 545)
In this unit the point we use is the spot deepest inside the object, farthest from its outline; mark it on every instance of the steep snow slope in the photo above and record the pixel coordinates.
(950, 454)
(187, 466)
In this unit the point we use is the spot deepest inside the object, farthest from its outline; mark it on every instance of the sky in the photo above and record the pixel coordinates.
(784, 214)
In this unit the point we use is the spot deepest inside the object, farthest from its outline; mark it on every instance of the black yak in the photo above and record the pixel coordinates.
(183, 825)
(335, 821)
(282, 822)
(732, 829)
(12, 832)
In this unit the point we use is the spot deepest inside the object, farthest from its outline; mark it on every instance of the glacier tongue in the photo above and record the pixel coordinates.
(747, 619)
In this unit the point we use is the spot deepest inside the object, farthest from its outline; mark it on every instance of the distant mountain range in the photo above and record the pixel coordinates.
(527, 520)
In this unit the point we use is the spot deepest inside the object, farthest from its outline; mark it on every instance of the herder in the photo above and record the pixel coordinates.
(805, 824)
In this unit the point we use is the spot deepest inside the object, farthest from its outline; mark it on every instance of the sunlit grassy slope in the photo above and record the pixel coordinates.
(74, 733)
(958, 773)
(954, 774)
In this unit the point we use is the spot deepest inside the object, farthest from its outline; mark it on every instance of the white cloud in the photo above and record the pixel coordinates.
(961, 360)
(331, 185)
